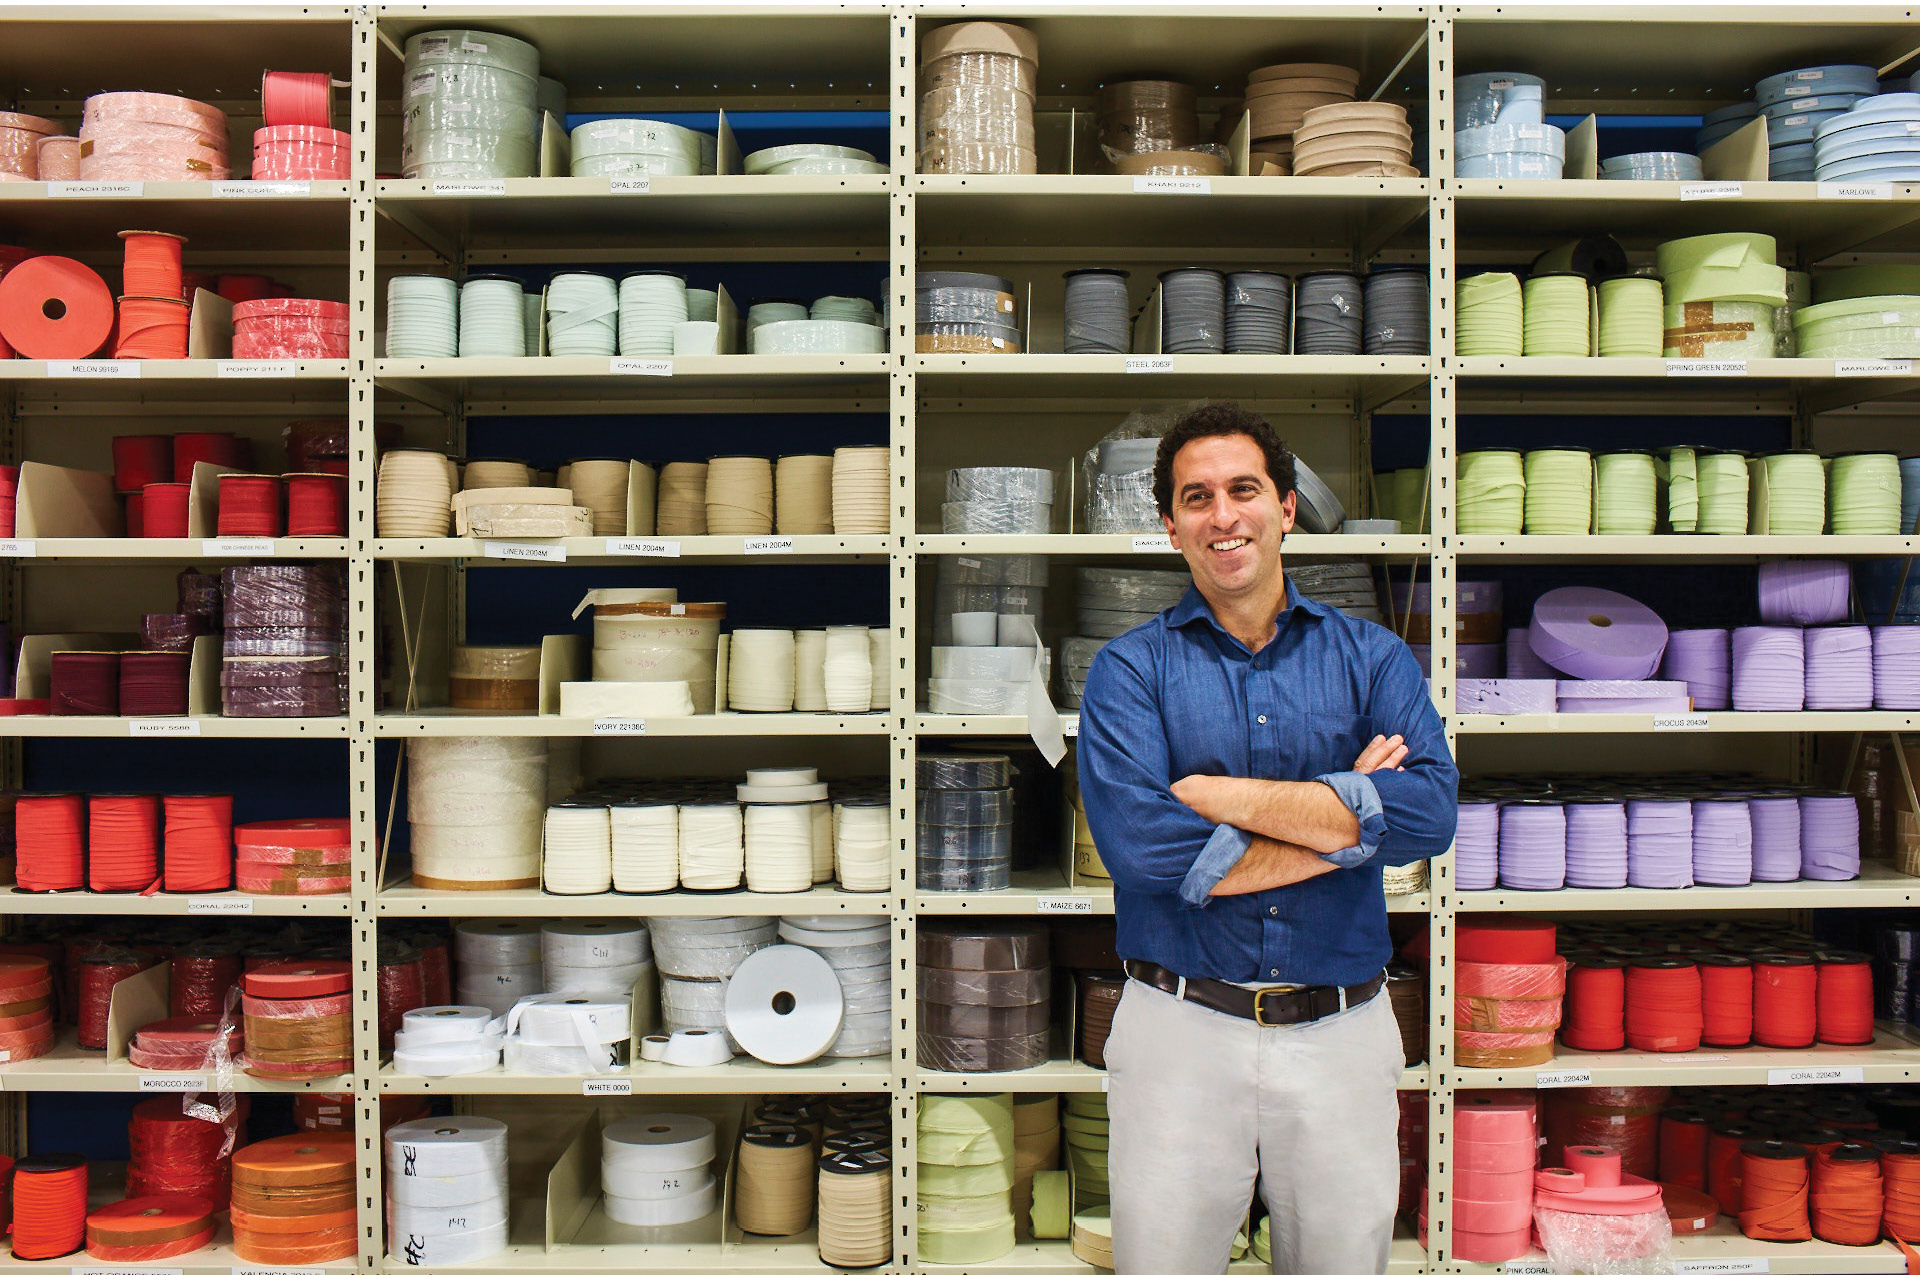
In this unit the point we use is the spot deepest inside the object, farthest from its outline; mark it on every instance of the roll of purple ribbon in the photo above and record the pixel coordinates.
(1805, 592)
(1476, 846)
(1594, 634)
(1839, 668)
(1596, 844)
(1503, 695)
(1829, 837)
(1769, 669)
(1703, 659)
(1659, 843)
(1896, 666)
(1722, 841)
(1533, 845)
(1776, 836)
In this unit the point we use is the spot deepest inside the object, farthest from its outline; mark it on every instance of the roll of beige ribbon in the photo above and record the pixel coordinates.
(773, 1189)
(739, 496)
(760, 671)
(810, 671)
(681, 506)
(486, 475)
(803, 495)
(860, 491)
(849, 670)
(414, 493)
(856, 1209)
(601, 485)
(880, 655)
(495, 679)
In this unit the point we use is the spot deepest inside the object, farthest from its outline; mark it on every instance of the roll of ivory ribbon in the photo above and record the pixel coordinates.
(646, 846)
(577, 849)
(1805, 592)
(601, 485)
(810, 670)
(760, 671)
(784, 1005)
(1595, 633)
(475, 806)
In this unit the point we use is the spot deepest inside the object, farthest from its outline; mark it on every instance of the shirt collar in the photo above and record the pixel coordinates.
(1194, 607)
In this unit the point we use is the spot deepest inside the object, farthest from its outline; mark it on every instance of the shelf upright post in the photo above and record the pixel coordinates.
(1443, 403)
(363, 681)
(902, 249)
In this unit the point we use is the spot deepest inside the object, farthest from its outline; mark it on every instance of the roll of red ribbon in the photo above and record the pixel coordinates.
(153, 683)
(1504, 940)
(50, 841)
(316, 504)
(290, 328)
(1683, 1147)
(1724, 1164)
(402, 983)
(199, 978)
(9, 499)
(250, 505)
(85, 683)
(55, 308)
(152, 328)
(229, 451)
(173, 1151)
(163, 510)
(1726, 1001)
(1596, 1005)
(136, 515)
(139, 459)
(199, 842)
(49, 1206)
(100, 972)
(1784, 991)
(244, 287)
(151, 266)
(1900, 1191)
(1663, 1004)
(1843, 999)
(1774, 1185)
(296, 97)
(123, 842)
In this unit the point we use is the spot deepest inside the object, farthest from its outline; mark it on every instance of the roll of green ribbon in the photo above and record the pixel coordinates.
(965, 1179)
(1723, 494)
(965, 1130)
(965, 1139)
(1263, 1241)
(1683, 489)
(1626, 494)
(1726, 267)
(1863, 494)
(1493, 490)
(1882, 327)
(1489, 316)
(1559, 492)
(1630, 318)
(1796, 494)
(1052, 1209)
(1557, 311)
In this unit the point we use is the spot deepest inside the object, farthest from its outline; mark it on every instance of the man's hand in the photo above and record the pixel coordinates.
(1384, 753)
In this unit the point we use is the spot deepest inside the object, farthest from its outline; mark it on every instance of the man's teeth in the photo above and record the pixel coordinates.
(1226, 546)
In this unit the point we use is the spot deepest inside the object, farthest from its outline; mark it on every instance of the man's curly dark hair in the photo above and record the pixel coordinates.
(1220, 420)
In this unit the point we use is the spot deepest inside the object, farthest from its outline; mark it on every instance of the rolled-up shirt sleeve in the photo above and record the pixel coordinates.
(1419, 803)
(1363, 799)
(1150, 841)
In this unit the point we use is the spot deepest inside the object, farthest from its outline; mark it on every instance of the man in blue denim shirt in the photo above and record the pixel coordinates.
(1250, 760)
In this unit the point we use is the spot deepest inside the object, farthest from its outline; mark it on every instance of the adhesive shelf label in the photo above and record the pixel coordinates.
(1062, 903)
(621, 1088)
(1724, 1265)
(1172, 186)
(1854, 190)
(255, 369)
(1706, 367)
(1709, 190)
(1816, 1075)
(96, 190)
(767, 544)
(1152, 544)
(1527, 1268)
(1694, 721)
(1873, 367)
(1561, 1079)
(262, 190)
(496, 186)
(648, 548)
(640, 367)
(171, 727)
(517, 551)
(96, 369)
(619, 725)
(220, 906)
(172, 1084)
(630, 185)
(280, 1270)
(129, 1270)
(19, 549)
(1150, 363)
(253, 547)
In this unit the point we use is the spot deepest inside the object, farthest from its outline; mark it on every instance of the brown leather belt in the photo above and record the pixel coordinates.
(1272, 1007)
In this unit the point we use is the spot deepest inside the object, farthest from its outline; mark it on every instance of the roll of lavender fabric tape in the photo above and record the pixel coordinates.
(1703, 659)
(1839, 668)
(1629, 704)
(1805, 592)
(1659, 843)
(1722, 841)
(1476, 846)
(1504, 695)
(1829, 837)
(1769, 669)
(1596, 844)
(1620, 690)
(1521, 661)
(1776, 836)
(1896, 666)
(1596, 633)
(1480, 659)
(1533, 845)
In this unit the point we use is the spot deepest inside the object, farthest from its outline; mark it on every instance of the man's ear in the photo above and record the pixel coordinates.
(1289, 510)
(1171, 534)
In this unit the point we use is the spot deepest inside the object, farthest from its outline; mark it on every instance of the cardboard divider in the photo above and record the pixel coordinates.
(32, 669)
(203, 678)
(727, 316)
(574, 1213)
(1147, 325)
(210, 326)
(1738, 157)
(203, 500)
(556, 147)
(56, 501)
(1583, 151)
(1240, 147)
(133, 1003)
(561, 657)
(726, 157)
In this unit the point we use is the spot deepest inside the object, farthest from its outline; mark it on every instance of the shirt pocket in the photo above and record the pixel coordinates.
(1332, 741)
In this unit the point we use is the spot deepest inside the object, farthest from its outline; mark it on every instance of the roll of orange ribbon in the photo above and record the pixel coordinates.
(293, 1199)
(146, 1228)
(55, 308)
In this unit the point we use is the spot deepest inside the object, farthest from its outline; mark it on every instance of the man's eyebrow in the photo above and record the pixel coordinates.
(1200, 486)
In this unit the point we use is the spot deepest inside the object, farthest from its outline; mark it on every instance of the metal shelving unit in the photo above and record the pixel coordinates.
(942, 410)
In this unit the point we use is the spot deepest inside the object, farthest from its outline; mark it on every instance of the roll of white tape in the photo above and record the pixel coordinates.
(433, 1024)
(668, 1212)
(698, 1047)
(658, 1142)
(554, 1019)
(784, 1005)
(653, 1048)
(626, 699)
(486, 1187)
(441, 1146)
(447, 1248)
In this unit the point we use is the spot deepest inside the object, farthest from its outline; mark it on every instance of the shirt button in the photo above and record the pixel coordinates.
(1273, 911)
(1273, 973)
(1262, 719)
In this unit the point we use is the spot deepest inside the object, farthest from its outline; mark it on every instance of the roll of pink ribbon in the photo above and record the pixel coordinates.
(1596, 633)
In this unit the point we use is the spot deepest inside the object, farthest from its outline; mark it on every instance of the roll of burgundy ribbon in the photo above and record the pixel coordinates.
(85, 683)
(154, 683)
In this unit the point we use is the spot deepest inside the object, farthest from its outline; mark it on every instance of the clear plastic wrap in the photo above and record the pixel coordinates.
(20, 141)
(1028, 570)
(301, 152)
(985, 1021)
(1139, 117)
(469, 107)
(961, 1053)
(949, 807)
(965, 338)
(984, 987)
(284, 594)
(1599, 1244)
(962, 876)
(976, 113)
(509, 521)
(996, 517)
(151, 137)
(981, 70)
(971, 843)
(1000, 483)
(1145, 590)
(962, 771)
(290, 328)
(817, 336)
(953, 695)
(988, 306)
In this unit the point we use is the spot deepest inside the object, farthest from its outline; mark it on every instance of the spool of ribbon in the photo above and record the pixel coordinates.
(293, 1199)
(1597, 634)
(54, 308)
(49, 1205)
(296, 97)
(298, 1020)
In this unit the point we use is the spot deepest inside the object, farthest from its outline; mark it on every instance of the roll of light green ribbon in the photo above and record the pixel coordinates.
(1883, 327)
(1730, 330)
(1493, 490)
(1052, 1209)
(1630, 318)
(1863, 494)
(965, 1130)
(965, 1179)
(1489, 315)
(1626, 494)
(1557, 311)
(961, 1139)
(1683, 490)
(1726, 267)
(1559, 492)
(1796, 494)
(1263, 1241)
(1723, 493)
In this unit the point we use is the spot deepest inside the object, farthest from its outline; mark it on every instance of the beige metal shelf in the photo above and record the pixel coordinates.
(742, 1075)
(1878, 886)
(1487, 548)
(751, 1256)
(810, 379)
(951, 724)
(1646, 723)
(730, 725)
(1891, 1058)
(1056, 1258)
(607, 550)
(217, 1258)
(1723, 1242)
(225, 904)
(111, 549)
(174, 727)
(1087, 545)
(1330, 382)
(412, 900)
(67, 1068)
